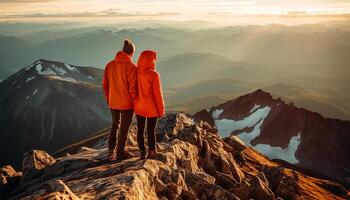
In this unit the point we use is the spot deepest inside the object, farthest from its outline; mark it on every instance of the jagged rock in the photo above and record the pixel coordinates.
(260, 190)
(242, 191)
(7, 171)
(225, 181)
(194, 163)
(235, 143)
(37, 160)
(8, 174)
(33, 163)
(54, 190)
(204, 186)
(285, 186)
(9, 179)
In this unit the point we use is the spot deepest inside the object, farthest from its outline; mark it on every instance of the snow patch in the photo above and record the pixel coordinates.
(14, 82)
(27, 97)
(217, 113)
(69, 67)
(35, 91)
(47, 71)
(254, 108)
(287, 154)
(255, 119)
(90, 77)
(248, 137)
(59, 70)
(30, 78)
(39, 68)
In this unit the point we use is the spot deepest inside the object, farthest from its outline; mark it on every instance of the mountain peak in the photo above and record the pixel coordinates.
(52, 68)
(260, 94)
(283, 131)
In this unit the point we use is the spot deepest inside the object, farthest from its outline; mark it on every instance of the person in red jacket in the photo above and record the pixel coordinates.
(149, 103)
(119, 86)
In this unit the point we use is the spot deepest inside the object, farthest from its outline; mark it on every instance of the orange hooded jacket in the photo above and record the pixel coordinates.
(119, 82)
(149, 101)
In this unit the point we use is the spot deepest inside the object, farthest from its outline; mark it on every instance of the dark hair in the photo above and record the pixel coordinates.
(128, 47)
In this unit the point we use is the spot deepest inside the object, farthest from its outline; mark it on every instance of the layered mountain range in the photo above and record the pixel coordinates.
(285, 132)
(48, 105)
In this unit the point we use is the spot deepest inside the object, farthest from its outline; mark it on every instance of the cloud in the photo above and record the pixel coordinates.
(105, 13)
(24, 1)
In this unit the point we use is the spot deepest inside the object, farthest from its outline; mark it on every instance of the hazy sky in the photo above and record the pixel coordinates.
(178, 8)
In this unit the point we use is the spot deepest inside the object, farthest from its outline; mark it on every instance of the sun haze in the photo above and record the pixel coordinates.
(225, 12)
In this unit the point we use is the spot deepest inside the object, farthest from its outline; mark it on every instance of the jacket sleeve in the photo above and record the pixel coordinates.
(105, 84)
(158, 94)
(132, 74)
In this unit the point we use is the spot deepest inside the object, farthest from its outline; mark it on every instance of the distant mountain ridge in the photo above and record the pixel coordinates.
(47, 105)
(283, 131)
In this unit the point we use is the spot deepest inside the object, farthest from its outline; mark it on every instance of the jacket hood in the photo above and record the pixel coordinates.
(147, 60)
(122, 57)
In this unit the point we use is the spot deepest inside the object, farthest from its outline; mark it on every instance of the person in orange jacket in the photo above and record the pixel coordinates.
(149, 103)
(119, 86)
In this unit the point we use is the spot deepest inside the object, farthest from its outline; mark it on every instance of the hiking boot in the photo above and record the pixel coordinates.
(143, 154)
(111, 155)
(152, 154)
(125, 155)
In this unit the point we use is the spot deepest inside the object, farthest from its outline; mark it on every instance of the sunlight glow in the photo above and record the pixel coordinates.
(221, 11)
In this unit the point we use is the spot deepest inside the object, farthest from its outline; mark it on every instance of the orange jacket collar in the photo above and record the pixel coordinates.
(122, 57)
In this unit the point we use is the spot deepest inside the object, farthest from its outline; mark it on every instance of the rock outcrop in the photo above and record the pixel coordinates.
(194, 163)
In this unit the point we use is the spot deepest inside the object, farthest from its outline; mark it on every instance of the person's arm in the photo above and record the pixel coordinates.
(132, 76)
(158, 94)
(105, 84)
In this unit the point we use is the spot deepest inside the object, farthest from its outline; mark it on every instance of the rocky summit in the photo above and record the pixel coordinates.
(194, 163)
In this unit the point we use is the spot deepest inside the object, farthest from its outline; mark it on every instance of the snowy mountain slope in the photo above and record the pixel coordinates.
(47, 105)
(285, 132)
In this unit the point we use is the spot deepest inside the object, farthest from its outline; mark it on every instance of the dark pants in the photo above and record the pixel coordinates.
(151, 137)
(122, 119)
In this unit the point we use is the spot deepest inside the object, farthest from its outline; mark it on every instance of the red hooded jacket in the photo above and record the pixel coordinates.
(149, 101)
(119, 82)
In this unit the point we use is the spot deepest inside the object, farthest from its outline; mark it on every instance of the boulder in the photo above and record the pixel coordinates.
(260, 190)
(37, 160)
(9, 180)
(7, 171)
(33, 164)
